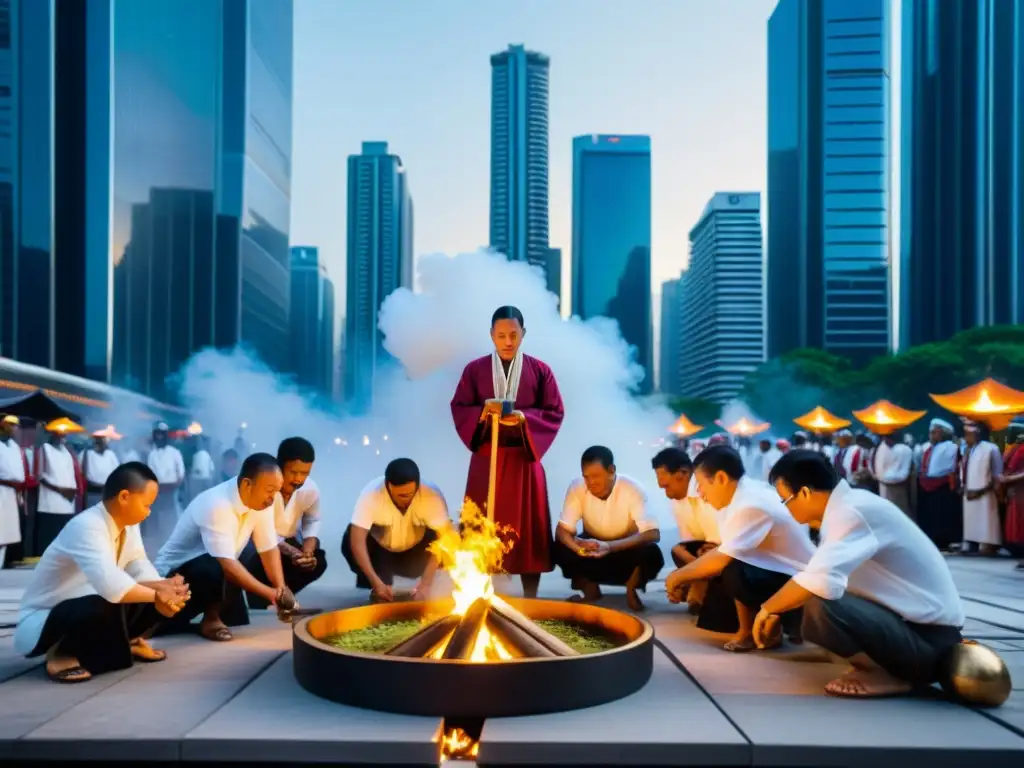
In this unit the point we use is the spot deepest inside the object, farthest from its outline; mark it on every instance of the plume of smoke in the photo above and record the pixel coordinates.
(433, 334)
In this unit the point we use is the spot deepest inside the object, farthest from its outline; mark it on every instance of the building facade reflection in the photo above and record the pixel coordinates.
(611, 237)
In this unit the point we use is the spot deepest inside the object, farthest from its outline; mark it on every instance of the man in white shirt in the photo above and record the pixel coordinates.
(13, 465)
(205, 545)
(297, 521)
(60, 483)
(877, 592)
(169, 465)
(618, 545)
(202, 472)
(939, 507)
(762, 545)
(892, 464)
(94, 596)
(98, 461)
(698, 533)
(396, 519)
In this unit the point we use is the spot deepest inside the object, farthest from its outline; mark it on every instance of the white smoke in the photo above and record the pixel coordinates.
(433, 334)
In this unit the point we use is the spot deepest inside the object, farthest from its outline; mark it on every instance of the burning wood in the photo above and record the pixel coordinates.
(514, 636)
(539, 634)
(427, 639)
(464, 639)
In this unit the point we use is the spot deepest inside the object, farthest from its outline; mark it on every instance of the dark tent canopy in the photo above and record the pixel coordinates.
(37, 406)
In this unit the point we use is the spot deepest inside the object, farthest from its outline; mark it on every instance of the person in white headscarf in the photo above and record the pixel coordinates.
(939, 511)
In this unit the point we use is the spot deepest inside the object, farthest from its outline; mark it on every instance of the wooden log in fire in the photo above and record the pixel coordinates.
(516, 637)
(464, 638)
(538, 633)
(420, 644)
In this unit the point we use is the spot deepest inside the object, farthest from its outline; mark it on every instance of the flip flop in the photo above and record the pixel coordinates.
(70, 675)
(219, 635)
(864, 694)
(734, 647)
(154, 655)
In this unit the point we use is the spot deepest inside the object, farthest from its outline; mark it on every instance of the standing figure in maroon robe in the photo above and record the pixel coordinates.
(521, 496)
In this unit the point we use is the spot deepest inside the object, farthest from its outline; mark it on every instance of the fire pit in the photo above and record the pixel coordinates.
(494, 659)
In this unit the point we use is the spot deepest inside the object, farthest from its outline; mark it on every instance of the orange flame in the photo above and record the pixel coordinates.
(459, 745)
(744, 427)
(884, 418)
(821, 421)
(683, 427)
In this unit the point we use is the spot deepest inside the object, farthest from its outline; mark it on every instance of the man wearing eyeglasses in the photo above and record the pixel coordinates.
(762, 546)
(877, 592)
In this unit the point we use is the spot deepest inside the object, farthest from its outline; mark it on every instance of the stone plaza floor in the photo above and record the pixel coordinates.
(239, 702)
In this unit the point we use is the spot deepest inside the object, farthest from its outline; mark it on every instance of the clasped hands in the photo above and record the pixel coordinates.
(386, 592)
(299, 557)
(767, 629)
(591, 547)
(171, 594)
(494, 408)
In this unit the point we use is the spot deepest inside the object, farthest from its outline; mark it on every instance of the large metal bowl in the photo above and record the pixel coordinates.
(463, 689)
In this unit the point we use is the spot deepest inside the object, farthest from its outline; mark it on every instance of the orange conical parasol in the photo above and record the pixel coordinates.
(683, 427)
(744, 427)
(821, 421)
(64, 426)
(884, 418)
(989, 401)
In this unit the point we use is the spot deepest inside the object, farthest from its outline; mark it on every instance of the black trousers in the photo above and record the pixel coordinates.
(940, 515)
(751, 586)
(613, 569)
(296, 578)
(852, 625)
(48, 528)
(96, 632)
(409, 564)
(718, 611)
(209, 587)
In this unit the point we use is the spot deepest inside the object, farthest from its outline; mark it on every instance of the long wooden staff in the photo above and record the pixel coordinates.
(492, 482)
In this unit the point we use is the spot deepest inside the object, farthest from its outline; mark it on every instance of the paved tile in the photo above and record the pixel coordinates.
(145, 716)
(647, 728)
(13, 663)
(275, 720)
(776, 701)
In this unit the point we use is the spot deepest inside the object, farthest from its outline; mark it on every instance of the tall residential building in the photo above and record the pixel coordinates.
(160, 141)
(671, 339)
(519, 155)
(829, 173)
(722, 290)
(553, 273)
(962, 176)
(26, 180)
(611, 237)
(312, 321)
(379, 260)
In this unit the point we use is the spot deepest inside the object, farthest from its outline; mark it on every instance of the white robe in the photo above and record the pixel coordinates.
(57, 466)
(12, 468)
(981, 516)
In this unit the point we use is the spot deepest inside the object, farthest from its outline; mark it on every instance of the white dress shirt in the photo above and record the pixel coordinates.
(758, 530)
(697, 520)
(892, 463)
(869, 548)
(622, 514)
(393, 529)
(81, 561)
(58, 468)
(941, 459)
(218, 524)
(167, 464)
(98, 466)
(12, 469)
(301, 515)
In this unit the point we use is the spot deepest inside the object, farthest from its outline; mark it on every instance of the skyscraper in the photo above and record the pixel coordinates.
(611, 237)
(722, 290)
(519, 155)
(829, 177)
(554, 273)
(962, 187)
(26, 180)
(379, 259)
(312, 321)
(671, 339)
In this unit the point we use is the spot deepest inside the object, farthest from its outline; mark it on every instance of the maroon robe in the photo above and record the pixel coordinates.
(521, 498)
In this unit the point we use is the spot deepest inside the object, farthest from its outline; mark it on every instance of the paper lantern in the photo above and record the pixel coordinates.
(819, 421)
(988, 401)
(683, 427)
(884, 418)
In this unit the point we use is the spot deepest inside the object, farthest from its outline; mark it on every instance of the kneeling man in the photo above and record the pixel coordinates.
(877, 592)
(619, 541)
(396, 519)
(207, 540)
(297, 521)
(762, 545)
(94, 596)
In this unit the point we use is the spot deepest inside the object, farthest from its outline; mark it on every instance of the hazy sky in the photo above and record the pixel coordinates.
(416, 73)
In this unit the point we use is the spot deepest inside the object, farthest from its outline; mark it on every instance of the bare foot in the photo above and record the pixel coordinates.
(741, 644)
(876, 684)
(144, 652)
(591, 593)
(633, 600)
(216, 631)
(694, 607)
